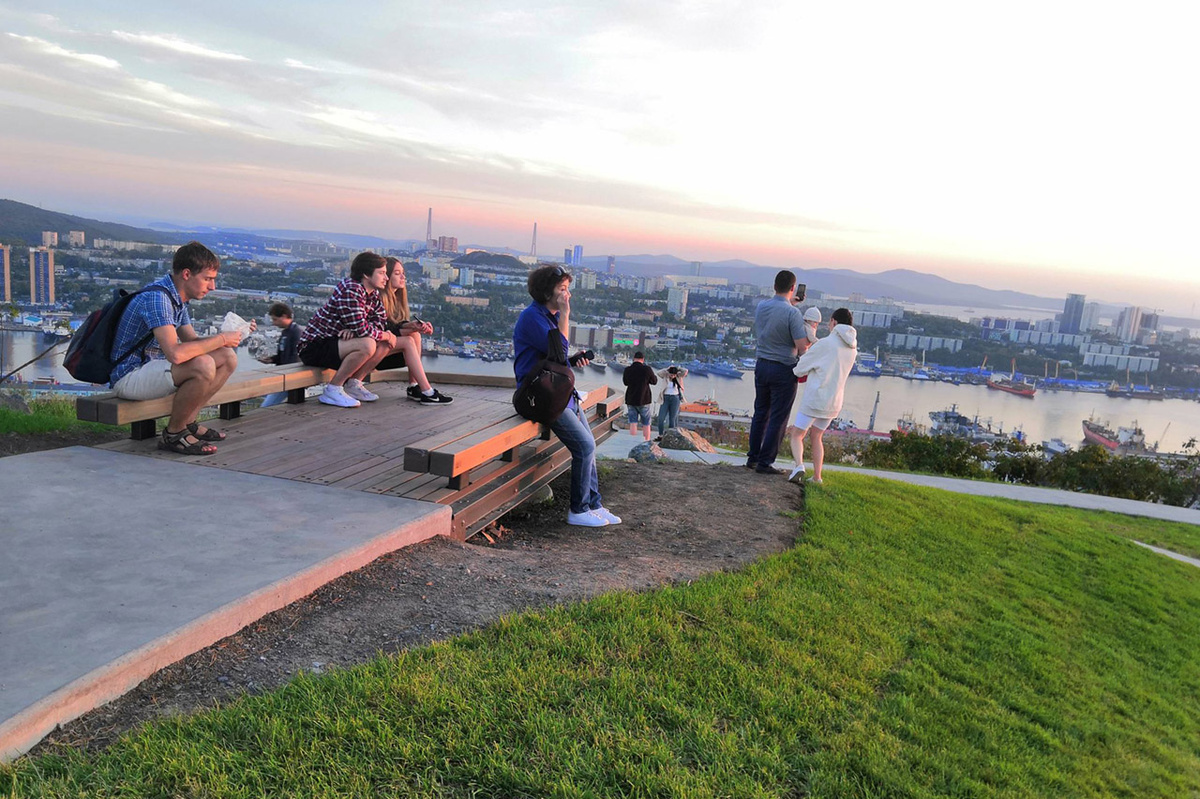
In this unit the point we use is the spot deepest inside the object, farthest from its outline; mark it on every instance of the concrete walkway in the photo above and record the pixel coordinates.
(619, 445)
(113, 566)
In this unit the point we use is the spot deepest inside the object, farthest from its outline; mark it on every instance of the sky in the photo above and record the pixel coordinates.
(1049, 147)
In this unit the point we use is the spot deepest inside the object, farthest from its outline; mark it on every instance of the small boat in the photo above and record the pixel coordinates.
(619, 363)
(599, 363)
(1055, 446)
(916, 374)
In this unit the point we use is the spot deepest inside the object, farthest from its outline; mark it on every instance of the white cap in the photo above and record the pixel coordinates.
(813, 314)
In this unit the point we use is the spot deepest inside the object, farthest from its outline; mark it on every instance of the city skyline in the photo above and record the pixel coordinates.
(1045, 148)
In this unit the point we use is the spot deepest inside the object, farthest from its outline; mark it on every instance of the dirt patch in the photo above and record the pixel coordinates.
(20, 443)
(680, 521)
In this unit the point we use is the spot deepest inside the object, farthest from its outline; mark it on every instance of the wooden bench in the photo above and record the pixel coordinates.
(244, 384)
(457, 455)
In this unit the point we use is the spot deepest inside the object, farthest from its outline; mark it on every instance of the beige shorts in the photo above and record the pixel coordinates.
(151, 380)
(804, 422)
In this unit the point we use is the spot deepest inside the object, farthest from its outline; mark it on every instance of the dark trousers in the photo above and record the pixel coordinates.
(774, 393)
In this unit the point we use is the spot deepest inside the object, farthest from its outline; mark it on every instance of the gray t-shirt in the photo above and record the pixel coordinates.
(777, 324)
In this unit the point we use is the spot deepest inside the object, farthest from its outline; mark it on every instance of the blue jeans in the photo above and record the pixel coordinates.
(668, 413)
(774, 393)
(572, 430)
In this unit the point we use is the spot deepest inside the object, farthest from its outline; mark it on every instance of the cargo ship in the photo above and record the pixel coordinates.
(1010, 384)
(1125, 440)
(1130, 391)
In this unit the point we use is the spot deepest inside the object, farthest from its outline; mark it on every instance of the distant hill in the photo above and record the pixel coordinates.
(481, 258)
(26, 222)
(352, 241)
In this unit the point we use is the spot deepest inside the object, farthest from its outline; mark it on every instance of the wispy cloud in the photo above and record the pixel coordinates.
(51, 49)
(175, 44)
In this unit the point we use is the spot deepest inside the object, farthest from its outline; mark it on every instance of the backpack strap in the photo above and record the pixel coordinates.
(554, 346)
(146, 338)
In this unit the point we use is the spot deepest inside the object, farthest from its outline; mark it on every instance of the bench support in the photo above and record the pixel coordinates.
(140, 431)
(230, 410)
(295, 396)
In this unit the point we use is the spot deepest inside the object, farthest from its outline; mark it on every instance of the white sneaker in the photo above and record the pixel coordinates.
(607, 515)
(336, 395)
(356, 389)
(797, 475)
(589, 518)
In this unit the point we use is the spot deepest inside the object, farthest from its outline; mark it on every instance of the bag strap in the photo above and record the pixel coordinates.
(146, 338)
(554, 346)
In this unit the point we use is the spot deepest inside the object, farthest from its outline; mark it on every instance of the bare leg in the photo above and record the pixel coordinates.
(194, 380)
(818, 452)
(412, 359)
(382, 350)
(354, 353)
(633, 429)
(226, 363)
(797, 437)
(646, 429)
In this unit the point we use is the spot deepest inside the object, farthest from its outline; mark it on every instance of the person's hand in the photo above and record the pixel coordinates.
(564, 299)
(580, 360)
(231, 339)
(253, 325)
(345, 335)
(389, 338)
(426, 328)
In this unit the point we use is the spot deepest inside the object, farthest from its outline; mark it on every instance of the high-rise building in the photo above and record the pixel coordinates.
(677, 300)
(41, 276)
(1149, 320)
(49, 238)
(5, 273)
(76, 238)
(1091, 318)
(567, 256)
(612, 264)
(447, 244)
(1128, 324)
(577, 255)
(1072, 315)
(696, 267)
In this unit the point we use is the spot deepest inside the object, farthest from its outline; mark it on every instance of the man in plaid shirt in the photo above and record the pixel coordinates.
(350, 334)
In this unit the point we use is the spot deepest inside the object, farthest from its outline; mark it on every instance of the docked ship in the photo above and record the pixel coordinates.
(599, 364)
(619, 363)
(1010, 383)
(724, 370)
(1130, 391)
(1125, 440)
(952, 423)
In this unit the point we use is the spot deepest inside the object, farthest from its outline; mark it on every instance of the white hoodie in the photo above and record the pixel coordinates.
(827, 364)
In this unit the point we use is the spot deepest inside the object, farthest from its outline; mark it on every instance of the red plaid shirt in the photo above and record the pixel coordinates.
(351, 308)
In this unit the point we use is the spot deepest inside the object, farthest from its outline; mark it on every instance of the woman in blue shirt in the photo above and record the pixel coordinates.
(550, 288)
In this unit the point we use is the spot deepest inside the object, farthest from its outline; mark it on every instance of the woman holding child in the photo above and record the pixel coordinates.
(826, 365)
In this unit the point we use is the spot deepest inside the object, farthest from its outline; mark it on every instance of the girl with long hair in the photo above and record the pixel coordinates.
(408, 332)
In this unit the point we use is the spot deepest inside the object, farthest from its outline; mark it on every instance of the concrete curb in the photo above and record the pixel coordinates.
(19, 733)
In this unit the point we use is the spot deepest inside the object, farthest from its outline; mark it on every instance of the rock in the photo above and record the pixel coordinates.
(11, 400)
(678, 438)
(648, 452)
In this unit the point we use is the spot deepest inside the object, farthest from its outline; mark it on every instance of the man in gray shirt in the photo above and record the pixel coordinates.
(779, 327)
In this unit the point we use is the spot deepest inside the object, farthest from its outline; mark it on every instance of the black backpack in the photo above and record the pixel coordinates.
(546, 390)
(89, 355)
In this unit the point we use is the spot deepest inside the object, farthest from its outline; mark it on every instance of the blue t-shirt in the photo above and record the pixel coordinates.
(146, 311)
(530, 337)
(777, 324)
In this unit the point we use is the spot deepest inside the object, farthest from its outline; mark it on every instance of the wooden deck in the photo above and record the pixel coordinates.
(363, 449)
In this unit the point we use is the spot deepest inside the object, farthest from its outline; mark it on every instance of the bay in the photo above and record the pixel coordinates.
(1048, 415)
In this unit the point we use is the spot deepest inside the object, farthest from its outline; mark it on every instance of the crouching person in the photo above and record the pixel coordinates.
(549, 286)
(174, 360)
(349, 333)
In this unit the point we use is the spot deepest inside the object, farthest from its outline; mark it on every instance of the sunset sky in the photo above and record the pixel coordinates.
(1041, 146)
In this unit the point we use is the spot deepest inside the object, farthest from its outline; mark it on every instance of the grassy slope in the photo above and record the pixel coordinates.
(46, 416)
(914, 643)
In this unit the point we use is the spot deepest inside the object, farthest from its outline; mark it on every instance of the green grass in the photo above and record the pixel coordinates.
(914, 643)
(47, 415)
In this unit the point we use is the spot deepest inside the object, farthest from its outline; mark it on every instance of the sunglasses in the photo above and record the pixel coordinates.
(560, 272)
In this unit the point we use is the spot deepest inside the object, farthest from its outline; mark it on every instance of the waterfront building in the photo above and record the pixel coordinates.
(41, 276)
(76, 238)
(908, 341)
(677, 301)
(1129, 324)
(1072, 315)
(5, 273)
(1132, 363)
(49, 238)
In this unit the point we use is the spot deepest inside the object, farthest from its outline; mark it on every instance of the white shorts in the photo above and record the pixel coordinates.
(149, 381)
(803, 422)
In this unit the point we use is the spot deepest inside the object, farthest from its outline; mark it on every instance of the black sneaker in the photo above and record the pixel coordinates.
(768, 470)
(437, 398)
(414, 392)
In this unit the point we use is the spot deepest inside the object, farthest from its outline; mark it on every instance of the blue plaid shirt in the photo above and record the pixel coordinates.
(146, 311)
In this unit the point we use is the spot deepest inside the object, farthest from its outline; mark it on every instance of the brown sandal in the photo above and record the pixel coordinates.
(208, 435)
(174, 442)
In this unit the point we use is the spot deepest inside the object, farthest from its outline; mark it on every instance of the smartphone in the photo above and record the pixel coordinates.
(800, 289)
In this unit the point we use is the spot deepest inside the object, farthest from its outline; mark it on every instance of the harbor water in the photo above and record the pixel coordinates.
(1050, 414)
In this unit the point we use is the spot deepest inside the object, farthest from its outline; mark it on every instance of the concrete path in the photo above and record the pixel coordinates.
(619, 445)
(113, 566)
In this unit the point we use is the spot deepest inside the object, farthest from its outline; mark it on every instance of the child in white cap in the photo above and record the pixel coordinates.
(812, 320)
